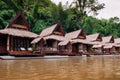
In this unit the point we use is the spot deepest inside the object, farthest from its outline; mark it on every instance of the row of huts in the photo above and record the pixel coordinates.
(16, 39)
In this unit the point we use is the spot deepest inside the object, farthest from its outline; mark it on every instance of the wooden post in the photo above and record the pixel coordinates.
(11, 43)
(70, 49)
(8, 43)
(27, 44)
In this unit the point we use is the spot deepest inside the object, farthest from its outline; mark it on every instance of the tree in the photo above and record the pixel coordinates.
(44, 13)
(86, 7)
(34, 10)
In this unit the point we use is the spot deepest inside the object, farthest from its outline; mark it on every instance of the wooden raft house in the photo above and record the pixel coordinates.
(51, 37)
(109, 46)
(16, 37)
(77, 41)
(65, 47)
(95, 39)
(117, 45)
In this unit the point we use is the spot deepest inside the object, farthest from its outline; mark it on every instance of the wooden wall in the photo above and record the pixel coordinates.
(3, 44)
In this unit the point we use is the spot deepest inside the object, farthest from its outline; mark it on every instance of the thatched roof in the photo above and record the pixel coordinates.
(54, 37)
(104, 45)
(75, 34)
(49, 31)
(97, 46)
(117, 41)
(36, 40)
(19, 21)
(18, 27)
(117, 45)
(18, 33)
(108, 46)
(83, 41)
(96, 42)
(108, 39)
(94, 37)
(63, 43)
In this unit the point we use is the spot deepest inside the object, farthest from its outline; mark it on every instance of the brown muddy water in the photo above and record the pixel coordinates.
(73, 68)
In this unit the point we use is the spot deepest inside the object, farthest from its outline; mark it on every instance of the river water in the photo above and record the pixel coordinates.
(73, 68)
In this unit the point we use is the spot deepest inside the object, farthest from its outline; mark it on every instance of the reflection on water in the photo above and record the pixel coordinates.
(74, 68)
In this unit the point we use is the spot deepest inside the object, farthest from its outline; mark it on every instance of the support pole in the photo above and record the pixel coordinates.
(8, 43)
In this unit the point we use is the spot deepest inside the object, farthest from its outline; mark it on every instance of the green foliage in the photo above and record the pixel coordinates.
(39, 25)
(44, 13)
(33, 47)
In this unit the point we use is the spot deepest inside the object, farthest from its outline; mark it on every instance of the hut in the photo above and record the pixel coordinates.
(117, 48)
(117, 45)
(51, 37)
(76, 37)
(108, 45)
(16, 37)
(109, 49)
(65, 47)
(98, 49)
(95, 39)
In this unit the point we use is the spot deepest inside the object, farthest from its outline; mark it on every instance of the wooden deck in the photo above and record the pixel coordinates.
(39, 53)
(23, 53)
(97, 53)
(65, 53)
(49, 52)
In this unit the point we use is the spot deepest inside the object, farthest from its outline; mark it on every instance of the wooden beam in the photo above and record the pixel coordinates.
(8, 43)
(19, 26)
(27, 44)
(12, 43)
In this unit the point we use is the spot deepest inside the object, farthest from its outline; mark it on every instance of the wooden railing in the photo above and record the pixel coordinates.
(49, 49)
(65, 50)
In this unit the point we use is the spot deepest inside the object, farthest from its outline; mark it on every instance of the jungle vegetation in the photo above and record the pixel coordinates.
(44, 13)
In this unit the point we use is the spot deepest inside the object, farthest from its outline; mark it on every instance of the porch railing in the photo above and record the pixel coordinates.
(49, 49)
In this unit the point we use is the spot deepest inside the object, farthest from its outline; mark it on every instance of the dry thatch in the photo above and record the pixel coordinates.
(108, 39)
(97, 46)
(94, 37)
(63, 43)
(117, 45)
(18, 33)
(49, 31)
(55, 37)
(75, 34)
(83, 41)
(36, 40)
(97, 43)
(117, 41)
(107, 42)
(108, 46)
